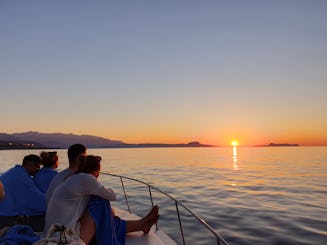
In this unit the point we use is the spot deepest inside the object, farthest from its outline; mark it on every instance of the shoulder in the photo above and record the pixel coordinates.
(48, 170)
(59, 178)
(66, 171)
(64, 174)
(18, 170)
(45, 173)
(82, 178)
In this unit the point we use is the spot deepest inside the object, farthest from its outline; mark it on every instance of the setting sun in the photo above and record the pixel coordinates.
(234, 143)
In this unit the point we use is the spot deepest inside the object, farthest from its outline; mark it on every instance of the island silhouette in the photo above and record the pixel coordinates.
(277, 144)
(282, 144)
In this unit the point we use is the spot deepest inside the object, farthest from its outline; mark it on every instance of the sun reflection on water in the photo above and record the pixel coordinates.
(235, 166)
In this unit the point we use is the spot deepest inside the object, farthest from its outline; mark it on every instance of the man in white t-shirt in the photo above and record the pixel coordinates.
(73, 152)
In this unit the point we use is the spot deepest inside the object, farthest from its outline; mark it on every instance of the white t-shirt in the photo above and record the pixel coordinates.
(57, 180)
(69, 200)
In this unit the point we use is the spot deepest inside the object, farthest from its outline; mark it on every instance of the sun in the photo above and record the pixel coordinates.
(234, 143)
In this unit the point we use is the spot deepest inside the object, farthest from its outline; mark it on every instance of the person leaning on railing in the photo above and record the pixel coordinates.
(83, 204)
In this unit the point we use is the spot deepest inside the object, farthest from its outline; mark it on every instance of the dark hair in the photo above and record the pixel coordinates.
(32, 158)
(88, 164)
(49, 158)
(74, 151)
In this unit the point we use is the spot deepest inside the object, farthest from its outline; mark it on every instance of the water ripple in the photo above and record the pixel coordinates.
(274, 196)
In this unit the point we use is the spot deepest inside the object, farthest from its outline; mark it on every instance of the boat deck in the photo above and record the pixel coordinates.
(155, 237)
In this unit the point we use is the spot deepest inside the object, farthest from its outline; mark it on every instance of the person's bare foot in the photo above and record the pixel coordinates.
(150, 219)
(147, 227)
(154, 212)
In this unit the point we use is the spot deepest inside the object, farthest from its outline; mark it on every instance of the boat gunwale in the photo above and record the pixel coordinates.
(177, 202)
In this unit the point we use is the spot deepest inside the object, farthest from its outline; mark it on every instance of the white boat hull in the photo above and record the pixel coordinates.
(155, 237)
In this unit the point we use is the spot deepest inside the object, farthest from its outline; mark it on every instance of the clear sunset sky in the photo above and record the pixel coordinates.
(166, 71)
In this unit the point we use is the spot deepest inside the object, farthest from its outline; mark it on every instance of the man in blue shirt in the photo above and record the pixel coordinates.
(23, 198)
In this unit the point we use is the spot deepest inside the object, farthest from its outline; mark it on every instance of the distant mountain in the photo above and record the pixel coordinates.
(7, 137)
(36, 140)
(8, 141)
(60, 140)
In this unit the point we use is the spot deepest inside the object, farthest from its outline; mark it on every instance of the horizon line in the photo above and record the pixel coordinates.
(187, 142)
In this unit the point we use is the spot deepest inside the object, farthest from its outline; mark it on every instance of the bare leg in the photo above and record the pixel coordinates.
(4, 230)
(87, 227)
(2, 191)
(145, 223)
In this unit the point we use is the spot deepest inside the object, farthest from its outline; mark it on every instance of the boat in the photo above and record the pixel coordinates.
(156, 235)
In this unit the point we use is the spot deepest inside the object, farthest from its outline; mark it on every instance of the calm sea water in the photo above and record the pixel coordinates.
(273, 195)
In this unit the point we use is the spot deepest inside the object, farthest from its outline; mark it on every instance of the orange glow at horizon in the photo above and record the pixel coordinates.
(234, 143)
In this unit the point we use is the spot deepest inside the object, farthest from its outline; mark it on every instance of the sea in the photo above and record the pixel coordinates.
(248, 195)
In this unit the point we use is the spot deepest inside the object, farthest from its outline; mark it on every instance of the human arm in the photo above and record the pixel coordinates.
(105, 193)
(90, 186)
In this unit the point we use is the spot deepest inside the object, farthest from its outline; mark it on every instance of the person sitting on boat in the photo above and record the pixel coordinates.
(23, 198)
(83, 204)
(2, 191)
(73, 152)
(16, 233)
(43, 177)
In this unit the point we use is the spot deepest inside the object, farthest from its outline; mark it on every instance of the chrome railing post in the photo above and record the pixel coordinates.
(150, 195)
(122, 183)
(180, 222)
(157, 228)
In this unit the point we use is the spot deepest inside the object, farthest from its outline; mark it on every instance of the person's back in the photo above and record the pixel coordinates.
(57, 181)
(73, 152)
(69, 200)
(65, 206)
(22, 196)
(43, 177)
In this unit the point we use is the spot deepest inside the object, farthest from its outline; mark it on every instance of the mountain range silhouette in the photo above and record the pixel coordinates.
(36, 140)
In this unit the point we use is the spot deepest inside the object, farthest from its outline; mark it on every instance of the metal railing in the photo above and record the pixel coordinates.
(220, 240)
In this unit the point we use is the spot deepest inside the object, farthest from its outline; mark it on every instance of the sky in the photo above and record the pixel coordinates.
(166, 71)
